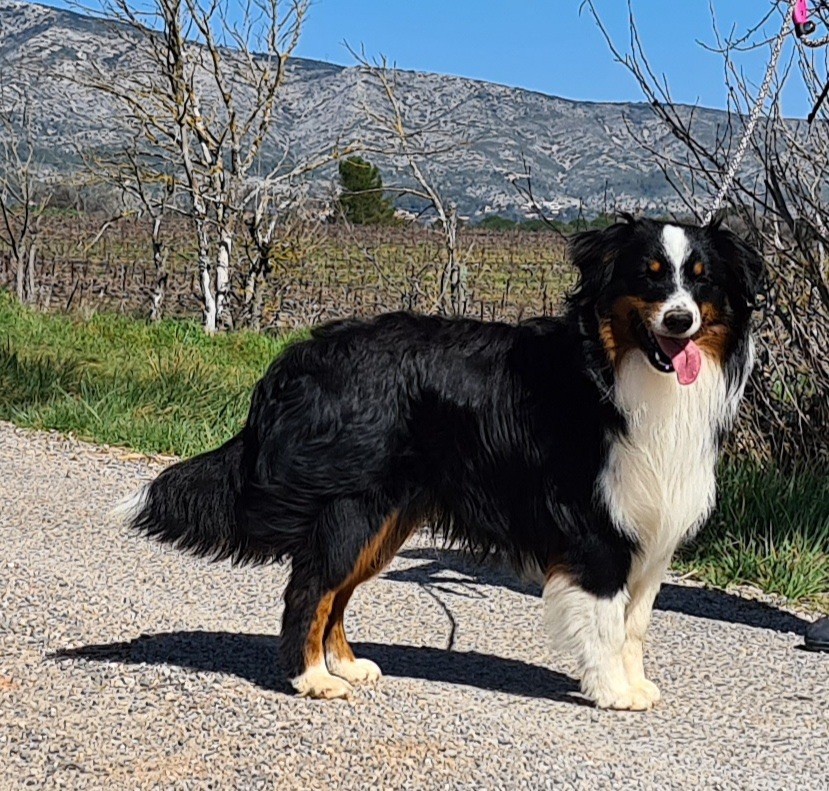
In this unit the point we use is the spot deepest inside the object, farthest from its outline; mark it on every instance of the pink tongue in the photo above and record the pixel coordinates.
(685, 356)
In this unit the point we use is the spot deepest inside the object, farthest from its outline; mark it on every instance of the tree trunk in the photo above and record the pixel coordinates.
(20, 276)
(458, 290)
(209, 303)
(24, 262)
(157, 298)
(255, 288)
(453, 285)
(253, 300)
(223, 317)
(31, 291)
(208, 300)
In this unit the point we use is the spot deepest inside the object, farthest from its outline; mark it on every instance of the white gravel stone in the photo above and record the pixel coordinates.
(124, 664)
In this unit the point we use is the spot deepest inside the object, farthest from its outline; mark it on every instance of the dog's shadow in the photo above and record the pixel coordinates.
(255, 658)
(696, 602)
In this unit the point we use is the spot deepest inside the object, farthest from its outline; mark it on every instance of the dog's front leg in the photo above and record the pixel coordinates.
(645, 580)
(591, 626)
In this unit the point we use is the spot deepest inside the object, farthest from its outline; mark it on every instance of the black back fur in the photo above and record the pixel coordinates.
(497, 433)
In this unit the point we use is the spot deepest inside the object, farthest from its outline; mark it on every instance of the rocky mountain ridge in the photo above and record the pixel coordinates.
(583, 156)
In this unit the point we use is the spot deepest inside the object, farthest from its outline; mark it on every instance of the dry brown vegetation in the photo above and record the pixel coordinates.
(777, 200)
(329, 271)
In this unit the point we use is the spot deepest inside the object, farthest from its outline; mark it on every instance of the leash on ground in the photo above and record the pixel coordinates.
(803, 28)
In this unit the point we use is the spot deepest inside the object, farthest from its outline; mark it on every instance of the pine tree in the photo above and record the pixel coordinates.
(362, 199)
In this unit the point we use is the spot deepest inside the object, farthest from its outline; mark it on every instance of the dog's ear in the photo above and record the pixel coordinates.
(594, 253)
(744, 264)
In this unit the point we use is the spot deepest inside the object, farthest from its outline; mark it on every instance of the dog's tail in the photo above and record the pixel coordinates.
(193, 505)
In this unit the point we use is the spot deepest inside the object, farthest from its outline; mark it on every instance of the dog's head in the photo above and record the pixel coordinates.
(672, 292)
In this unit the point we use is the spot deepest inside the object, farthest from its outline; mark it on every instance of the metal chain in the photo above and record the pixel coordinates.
(814, 43)
(765, 90)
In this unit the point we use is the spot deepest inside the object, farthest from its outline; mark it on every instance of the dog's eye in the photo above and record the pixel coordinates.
(656, 269)
(698, 269)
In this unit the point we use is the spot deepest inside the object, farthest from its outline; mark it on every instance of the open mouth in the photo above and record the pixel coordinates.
(671, 355)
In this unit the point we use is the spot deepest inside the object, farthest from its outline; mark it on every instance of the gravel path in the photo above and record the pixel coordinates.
(126, 665)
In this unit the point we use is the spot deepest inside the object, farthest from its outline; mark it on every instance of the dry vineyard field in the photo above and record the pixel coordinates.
(323, 272)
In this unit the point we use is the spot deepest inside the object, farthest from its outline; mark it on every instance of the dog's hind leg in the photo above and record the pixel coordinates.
(381, 549)
(345, 553)
(307, 607)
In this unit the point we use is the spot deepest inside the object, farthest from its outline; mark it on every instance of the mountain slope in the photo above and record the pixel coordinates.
(580, 153)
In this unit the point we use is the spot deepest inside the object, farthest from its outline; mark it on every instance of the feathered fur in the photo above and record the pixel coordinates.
(528, 440)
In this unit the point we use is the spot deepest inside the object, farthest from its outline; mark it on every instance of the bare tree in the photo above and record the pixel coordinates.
(780, 198)
(231, 140)
(278, 213)
(24, 197)
(204, 91)
(159, 98)
(411, 144)
(148, 190)
(283, 229)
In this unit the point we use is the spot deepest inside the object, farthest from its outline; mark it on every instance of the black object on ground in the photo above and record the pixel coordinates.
(817, 635)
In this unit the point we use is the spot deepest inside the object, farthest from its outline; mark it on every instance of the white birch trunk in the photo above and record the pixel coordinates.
(20, 277)
(30, 274)
(223, 277)
(157, 298)
(209, 311)
(208, 302)
(24, 259)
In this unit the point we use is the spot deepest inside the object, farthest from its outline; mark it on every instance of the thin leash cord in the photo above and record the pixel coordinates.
(748, 132)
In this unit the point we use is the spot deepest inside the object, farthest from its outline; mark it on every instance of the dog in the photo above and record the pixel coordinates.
(581, 447)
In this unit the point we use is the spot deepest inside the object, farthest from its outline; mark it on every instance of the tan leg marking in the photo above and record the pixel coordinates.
(316, 681)
(377, 555)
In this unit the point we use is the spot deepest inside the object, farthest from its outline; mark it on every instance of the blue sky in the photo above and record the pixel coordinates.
(543, 45)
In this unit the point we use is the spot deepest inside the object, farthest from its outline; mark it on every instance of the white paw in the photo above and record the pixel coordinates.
(632, 699)
(355, 671)
(616, 693)
(317, 682)
(649, 690)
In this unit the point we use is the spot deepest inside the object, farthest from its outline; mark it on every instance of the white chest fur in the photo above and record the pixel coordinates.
(659, 479)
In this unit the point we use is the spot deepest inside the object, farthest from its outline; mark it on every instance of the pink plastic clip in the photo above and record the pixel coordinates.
(800, 15)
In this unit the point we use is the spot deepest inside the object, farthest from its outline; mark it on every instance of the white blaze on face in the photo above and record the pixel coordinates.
(677, 247)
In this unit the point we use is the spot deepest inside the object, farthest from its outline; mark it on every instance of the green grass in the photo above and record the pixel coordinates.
(159, 388)
(770, 530)
(168, 388)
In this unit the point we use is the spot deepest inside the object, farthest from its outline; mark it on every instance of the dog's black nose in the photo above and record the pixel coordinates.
(678, 321)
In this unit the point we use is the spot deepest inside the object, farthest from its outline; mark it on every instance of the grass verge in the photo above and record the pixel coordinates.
(159, 388)
(168, 388)
(771, 530)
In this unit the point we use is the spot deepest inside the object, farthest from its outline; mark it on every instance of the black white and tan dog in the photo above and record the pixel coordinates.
(582, 447)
